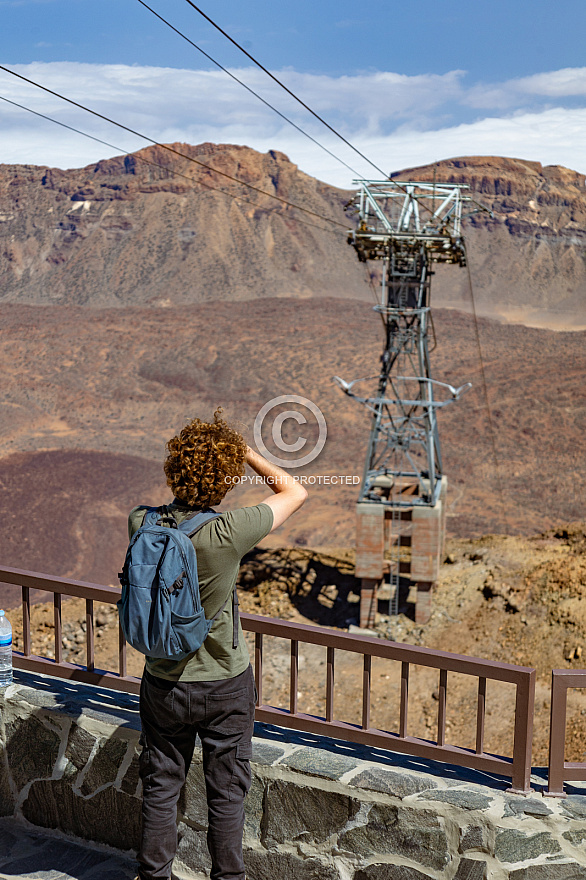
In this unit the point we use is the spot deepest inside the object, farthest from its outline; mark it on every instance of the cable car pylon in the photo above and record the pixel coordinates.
(401, 508)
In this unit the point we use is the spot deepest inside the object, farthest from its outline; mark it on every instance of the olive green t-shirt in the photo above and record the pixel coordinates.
(219, 545)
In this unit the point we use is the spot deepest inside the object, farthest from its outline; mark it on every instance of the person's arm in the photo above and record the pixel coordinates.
(288, 495)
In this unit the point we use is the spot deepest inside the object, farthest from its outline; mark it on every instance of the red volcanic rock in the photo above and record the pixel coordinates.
(528, 261)
(154, 228)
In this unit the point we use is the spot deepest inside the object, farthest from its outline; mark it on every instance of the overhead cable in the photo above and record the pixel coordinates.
(249, 88)
(172, 150)
(288, 90)
(491, 430)
(146, 161)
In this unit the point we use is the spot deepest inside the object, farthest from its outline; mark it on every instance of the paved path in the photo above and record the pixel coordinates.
(32, 855)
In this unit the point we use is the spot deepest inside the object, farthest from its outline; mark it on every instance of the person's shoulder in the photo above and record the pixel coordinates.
(135, 518)
(257, 515)
(243, 527)
(138, 512)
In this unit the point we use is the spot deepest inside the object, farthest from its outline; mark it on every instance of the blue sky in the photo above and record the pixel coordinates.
(407, 82)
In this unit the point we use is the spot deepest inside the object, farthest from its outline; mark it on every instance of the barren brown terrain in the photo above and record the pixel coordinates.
(90, 398)
(156, 229)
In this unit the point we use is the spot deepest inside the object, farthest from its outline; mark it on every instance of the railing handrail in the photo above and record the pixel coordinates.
(384, 649)
(34, 580)
(518, 767)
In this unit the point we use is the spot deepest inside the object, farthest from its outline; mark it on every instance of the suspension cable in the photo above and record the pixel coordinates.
(172, 150)
(249, 88)
(288, 90)
(491, 431)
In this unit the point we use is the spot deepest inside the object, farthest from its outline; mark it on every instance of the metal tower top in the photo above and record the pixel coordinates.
(412, 214)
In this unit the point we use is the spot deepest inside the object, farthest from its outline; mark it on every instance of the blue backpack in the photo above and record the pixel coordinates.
(160, 607)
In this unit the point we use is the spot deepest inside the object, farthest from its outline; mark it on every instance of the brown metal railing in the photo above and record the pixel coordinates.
(560, 769)
(518, 767)
(25, 659)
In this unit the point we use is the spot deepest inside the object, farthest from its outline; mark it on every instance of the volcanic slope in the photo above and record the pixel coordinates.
(147, 229)
(159, 232)
(91, 396)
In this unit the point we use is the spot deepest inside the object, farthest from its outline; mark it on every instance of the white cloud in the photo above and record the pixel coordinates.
(396, 120)
(555, 84)
(552, 137)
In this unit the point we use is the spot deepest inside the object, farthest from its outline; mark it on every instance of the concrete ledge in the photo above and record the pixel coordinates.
(318, 808)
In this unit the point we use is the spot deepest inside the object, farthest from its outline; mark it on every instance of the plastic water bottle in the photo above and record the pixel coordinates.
(5, 651)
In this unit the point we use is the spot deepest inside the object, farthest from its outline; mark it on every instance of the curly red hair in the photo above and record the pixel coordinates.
(204, 461)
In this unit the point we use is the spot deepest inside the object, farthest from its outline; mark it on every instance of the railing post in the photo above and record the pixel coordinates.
(480, 714)
(26, 621)
(121, 652)
(58, 629)
(330, 685)
(441, 708)
(403, 712)
(294, 681)
(557, 735)
(89, 634)
(258, 667)
(366, 691)
(523, 737)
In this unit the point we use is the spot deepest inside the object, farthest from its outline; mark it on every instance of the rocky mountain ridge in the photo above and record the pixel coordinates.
(528, 259)
(153, 228)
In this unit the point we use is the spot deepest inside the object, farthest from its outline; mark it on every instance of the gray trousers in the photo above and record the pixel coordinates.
(172, 715)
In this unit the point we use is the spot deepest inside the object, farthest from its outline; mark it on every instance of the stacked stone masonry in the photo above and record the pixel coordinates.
(319, 811)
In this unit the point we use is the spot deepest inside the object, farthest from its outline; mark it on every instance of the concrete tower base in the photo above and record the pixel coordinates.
(425, 536)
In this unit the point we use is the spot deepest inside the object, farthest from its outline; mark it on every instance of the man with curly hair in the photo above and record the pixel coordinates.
(211, 692)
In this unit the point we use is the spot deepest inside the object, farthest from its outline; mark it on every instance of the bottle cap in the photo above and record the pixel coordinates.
(1, 613)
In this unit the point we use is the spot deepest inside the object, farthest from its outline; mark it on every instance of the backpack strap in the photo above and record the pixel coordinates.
(201, 518)
(151, 516)
(195, 521)
(235, 617)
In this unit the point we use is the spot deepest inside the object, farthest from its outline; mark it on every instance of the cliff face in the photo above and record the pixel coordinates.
(152, 229)
(528, 261)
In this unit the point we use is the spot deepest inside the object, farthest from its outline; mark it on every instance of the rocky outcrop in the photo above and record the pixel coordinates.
(159, 228)
(528, 259)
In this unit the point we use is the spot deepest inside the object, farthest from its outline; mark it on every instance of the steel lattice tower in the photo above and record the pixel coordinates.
(408, 226)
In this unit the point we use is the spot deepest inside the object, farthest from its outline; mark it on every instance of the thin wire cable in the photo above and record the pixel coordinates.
(374, 294)
(122, 150)
(289, 92)
(170, 149)
(249, 89)
(491, 430)
(137, 156)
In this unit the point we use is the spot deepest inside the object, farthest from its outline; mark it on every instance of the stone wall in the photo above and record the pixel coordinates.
(318, 809)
